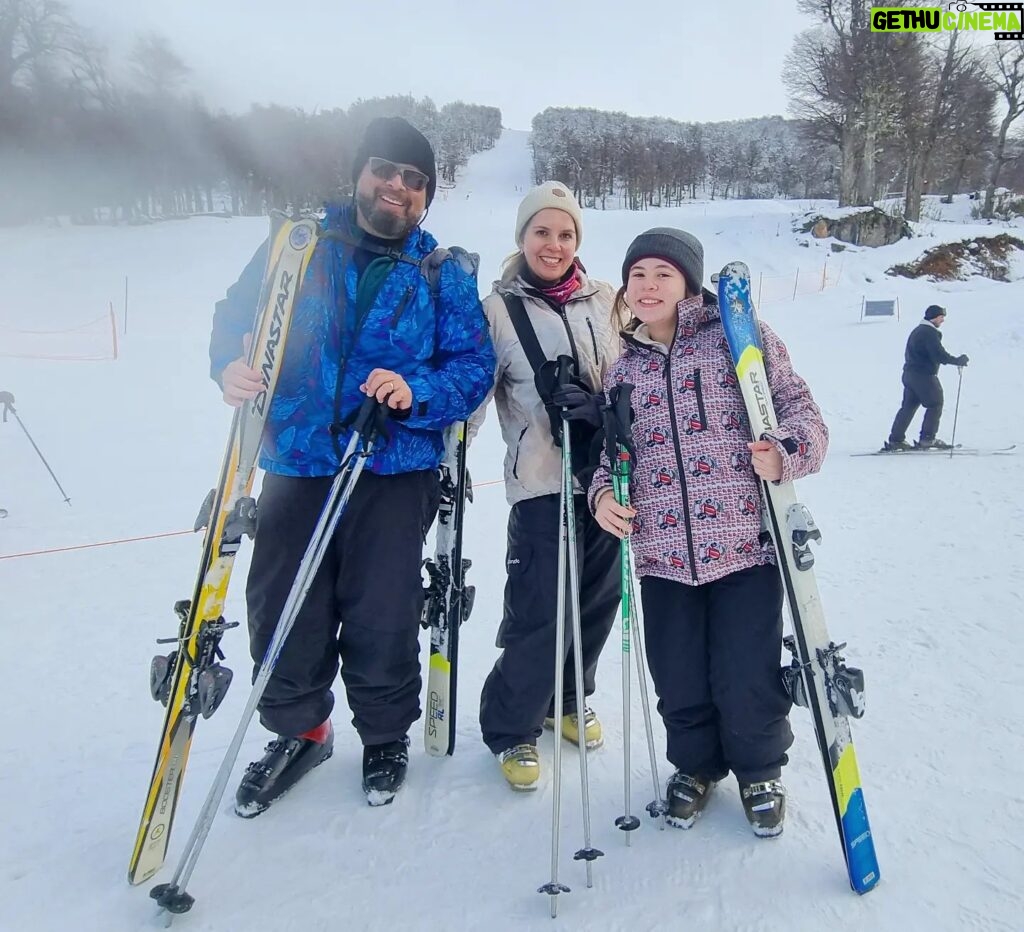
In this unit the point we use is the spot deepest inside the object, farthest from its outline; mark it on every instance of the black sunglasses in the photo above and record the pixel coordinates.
(412, 178)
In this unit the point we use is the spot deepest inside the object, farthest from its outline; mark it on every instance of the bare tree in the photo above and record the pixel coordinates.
(32, 32)
(159, 69)
(844, 77)
(931, 110)
(1006, 75)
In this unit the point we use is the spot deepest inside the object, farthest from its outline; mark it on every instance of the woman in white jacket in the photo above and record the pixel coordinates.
(571, 315)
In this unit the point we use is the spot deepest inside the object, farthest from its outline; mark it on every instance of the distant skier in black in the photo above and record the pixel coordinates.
(921, 386)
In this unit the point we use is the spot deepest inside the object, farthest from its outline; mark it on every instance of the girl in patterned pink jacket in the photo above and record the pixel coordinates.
(710, 589)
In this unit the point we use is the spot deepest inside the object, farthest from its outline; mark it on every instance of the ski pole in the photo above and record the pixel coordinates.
(627, 822)
(172, 897)
(956, 407)
(588, 853)
(554, 887)
(7, 400)
(619, 461)
(618, 446)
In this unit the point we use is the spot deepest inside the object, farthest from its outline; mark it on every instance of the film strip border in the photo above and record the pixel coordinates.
(1003, 8)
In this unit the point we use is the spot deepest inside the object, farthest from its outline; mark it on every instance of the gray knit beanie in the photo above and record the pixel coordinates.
(682, 249)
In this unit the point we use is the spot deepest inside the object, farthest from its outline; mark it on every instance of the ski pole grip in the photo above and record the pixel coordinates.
(564, 371)
(621, 411)
(371, 419)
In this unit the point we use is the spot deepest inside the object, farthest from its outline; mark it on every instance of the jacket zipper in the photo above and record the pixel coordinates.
(593, 341)
(572, 342)
(403, 303)
(679, 464)
(342, 370)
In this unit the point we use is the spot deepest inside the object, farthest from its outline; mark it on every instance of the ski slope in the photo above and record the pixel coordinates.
(920, 571)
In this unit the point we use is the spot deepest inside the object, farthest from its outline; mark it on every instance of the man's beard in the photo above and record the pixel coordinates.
(384, 223)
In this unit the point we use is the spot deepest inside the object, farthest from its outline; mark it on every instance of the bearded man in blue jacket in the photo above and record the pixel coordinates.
(381, 311)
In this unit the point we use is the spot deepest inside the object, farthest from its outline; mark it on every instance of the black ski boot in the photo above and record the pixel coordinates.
(687, 797)
(384, 767)
(285, 762)
(896, 446)
(765, 806)
(933, 444)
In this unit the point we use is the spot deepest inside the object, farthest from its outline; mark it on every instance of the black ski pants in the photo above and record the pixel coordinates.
(714, 651)
(364, 604)
(519, 692)
(918, 389)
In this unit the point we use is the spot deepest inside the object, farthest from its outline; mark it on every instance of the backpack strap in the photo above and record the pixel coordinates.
(429, 265)
(524, 330)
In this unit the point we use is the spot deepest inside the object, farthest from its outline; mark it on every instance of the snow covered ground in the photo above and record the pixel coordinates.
(920, 571)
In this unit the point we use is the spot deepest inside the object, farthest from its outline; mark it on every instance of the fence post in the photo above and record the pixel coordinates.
(113, 327)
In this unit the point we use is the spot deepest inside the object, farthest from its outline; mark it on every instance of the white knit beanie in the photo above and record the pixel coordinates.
(550, 194)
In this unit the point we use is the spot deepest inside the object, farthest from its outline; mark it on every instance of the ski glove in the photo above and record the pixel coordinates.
(962, 360)
(579, 404)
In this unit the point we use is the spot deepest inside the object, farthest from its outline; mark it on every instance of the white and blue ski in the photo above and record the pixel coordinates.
(817, 678)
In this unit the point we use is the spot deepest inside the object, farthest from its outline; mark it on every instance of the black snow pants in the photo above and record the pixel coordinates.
(364, 605)
(518, 693)
(918, 389)
(714, 653)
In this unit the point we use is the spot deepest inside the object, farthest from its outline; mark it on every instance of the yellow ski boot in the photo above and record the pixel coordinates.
(571, 728)
(521, 766)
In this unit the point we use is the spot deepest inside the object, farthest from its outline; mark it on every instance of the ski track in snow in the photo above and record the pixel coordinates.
(920, 570)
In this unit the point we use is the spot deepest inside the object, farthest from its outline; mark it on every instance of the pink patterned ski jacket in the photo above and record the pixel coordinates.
(697, 498)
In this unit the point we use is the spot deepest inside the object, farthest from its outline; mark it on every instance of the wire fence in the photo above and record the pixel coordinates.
(93, 340)
(773, 289)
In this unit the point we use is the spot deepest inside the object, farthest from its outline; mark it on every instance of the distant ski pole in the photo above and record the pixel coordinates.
(7, 400)
(956, 407)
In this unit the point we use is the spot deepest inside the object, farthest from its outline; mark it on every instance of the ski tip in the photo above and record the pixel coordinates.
(734, 270)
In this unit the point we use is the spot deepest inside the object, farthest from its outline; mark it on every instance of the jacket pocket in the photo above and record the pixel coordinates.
(698, 391)
(593, 343)
(519, 447)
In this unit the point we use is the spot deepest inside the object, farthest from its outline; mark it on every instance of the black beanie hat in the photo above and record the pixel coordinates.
(682, 249)
(397, 140)
(933, 311)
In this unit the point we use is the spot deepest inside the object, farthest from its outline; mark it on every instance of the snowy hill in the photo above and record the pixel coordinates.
(920, 571)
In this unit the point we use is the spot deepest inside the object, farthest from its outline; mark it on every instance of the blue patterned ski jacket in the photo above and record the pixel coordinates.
(440, 345)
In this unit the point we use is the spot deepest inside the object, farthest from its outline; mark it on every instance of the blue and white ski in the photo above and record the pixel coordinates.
(817, 678)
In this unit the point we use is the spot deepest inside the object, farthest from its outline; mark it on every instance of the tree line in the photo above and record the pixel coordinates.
(81, 137)
(872, 115)
(613, 159)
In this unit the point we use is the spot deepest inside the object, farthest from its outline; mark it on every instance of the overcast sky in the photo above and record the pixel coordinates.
(676, 58)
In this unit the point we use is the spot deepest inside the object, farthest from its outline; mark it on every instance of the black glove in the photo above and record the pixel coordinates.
(6, 398)
(961, 360)
(579, 404)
